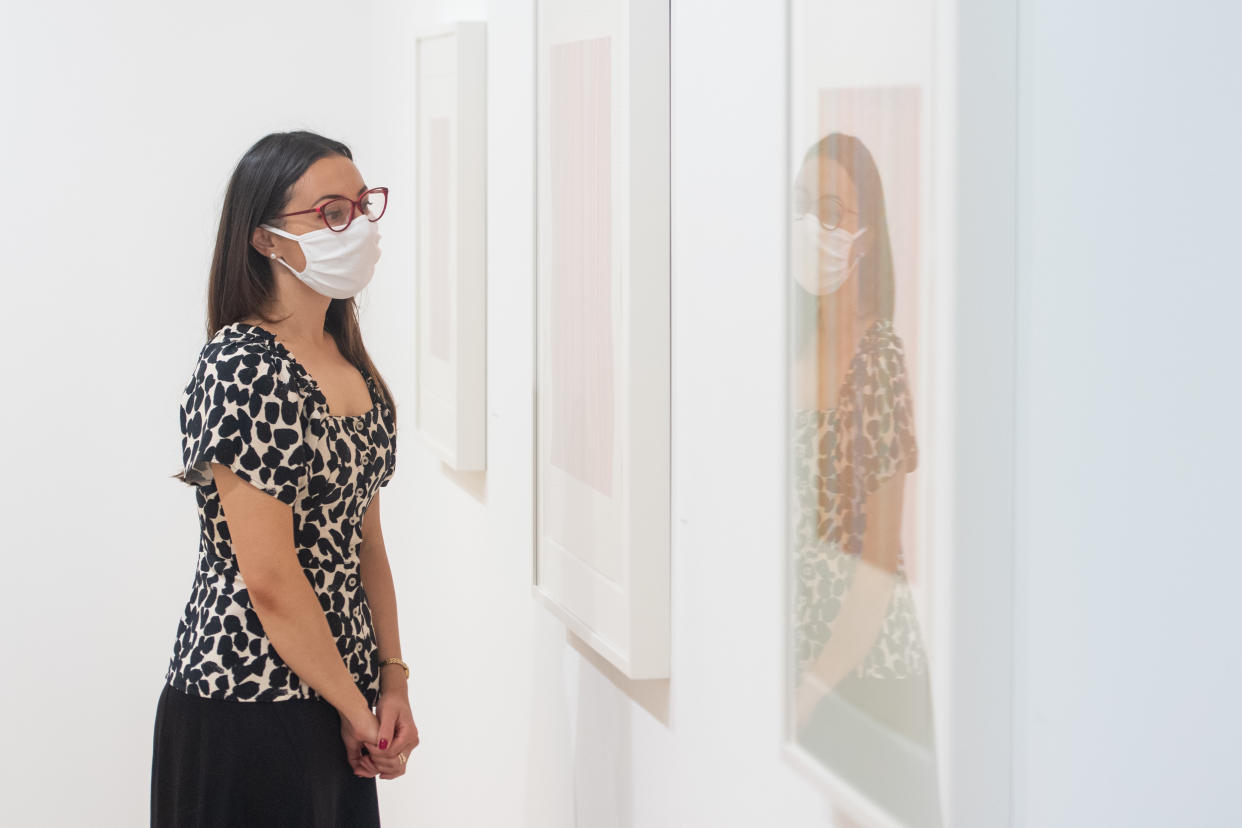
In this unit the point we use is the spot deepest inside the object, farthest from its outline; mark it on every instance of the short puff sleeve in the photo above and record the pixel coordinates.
(880, 420)
(241, 411)
(390, 430)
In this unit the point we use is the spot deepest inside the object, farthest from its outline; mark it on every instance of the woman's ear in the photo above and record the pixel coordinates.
(264, 242)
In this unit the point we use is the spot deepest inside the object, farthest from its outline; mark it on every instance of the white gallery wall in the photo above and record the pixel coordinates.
(1129, 290)
(122, 123)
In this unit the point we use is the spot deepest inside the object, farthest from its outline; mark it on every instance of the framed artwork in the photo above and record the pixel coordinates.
(602, 326)
(451, 243)
(881, 325)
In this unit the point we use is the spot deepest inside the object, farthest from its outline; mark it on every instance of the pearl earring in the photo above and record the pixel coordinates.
(273, 255)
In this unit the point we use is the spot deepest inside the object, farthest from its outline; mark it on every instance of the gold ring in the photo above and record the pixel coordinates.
(401, 756)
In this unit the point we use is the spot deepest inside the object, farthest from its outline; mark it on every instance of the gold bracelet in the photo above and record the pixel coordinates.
(396, 660)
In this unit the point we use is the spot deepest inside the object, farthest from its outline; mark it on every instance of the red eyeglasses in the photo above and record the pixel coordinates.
(339, 213)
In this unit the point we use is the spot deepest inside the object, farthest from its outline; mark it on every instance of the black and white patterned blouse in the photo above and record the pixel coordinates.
(254, 408)
(840, 457)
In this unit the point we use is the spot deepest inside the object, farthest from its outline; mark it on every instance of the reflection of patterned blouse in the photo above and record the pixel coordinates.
(252, 407)
(840, 457)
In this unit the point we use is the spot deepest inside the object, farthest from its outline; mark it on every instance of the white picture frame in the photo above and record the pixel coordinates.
(451, 243)
(602, 446)
(965, 366)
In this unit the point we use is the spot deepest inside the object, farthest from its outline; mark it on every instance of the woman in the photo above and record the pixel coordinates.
(860, 662)
(289, 639)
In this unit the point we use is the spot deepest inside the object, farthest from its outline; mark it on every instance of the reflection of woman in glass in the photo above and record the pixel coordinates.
(861, 666)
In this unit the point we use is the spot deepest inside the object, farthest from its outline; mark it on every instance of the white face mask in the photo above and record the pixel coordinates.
(822, 258)
(337, 264)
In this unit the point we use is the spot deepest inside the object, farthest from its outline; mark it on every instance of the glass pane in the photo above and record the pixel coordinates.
(859, 684)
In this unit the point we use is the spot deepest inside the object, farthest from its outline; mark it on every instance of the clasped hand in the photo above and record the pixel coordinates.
(391, 725)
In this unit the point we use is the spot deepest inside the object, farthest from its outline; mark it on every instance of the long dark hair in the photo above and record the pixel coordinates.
(874, 284)
(240, 284)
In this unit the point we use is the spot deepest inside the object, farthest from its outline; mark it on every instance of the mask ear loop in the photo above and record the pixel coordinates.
(288, 266)
(279, 232)
(862, 254)
(287, 235)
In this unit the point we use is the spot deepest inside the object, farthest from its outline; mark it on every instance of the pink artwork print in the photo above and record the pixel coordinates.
(887, 120)
(439, 307)
(581, 349)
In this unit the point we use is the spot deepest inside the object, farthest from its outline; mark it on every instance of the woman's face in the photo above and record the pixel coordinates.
(824, 187)
(825, 217)
(333, 176)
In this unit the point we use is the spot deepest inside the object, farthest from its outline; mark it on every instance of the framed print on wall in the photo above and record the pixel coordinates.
(451, 244)
(602, 520)
(900, 321)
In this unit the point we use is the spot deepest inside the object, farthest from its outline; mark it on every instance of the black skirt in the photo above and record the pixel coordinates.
(220, 763)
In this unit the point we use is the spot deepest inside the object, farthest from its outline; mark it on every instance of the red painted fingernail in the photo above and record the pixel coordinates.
(383, 743)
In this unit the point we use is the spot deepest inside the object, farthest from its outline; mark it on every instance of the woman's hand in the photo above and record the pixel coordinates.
(396, 732)
(361, 730)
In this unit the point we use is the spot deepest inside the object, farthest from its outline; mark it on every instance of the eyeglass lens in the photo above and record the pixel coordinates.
(338, 212)
(829, 211)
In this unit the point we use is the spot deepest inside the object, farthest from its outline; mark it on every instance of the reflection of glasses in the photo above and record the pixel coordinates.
(339, 212)
(829, 210)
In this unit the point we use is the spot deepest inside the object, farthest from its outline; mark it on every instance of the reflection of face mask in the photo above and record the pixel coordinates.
(822, 260)
(337, 264)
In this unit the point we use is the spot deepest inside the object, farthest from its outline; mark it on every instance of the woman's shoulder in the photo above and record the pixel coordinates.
(881, 337)
(239, 353)
(237, 364)
(880, 360)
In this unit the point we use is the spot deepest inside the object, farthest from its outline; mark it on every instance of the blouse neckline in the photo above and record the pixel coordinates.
(300, 369)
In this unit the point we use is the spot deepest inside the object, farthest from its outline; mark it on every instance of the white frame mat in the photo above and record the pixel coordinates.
(451, 305)
(602, 446)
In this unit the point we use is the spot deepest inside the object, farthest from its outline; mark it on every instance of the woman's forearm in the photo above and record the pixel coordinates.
(857, 624)
(382, 598)
(294, 621)
(865, 604)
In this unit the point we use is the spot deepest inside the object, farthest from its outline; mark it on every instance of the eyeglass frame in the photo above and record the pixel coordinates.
(355, 209)
(814, 211)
